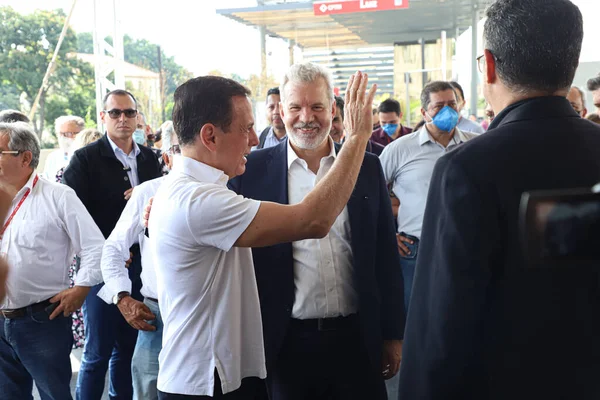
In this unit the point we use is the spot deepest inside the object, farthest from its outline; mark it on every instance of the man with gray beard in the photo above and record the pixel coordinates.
(332, 308)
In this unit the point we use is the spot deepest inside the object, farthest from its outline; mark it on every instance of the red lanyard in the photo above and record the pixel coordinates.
(9, 220)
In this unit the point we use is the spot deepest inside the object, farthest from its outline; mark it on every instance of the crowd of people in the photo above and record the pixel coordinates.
(337, 254)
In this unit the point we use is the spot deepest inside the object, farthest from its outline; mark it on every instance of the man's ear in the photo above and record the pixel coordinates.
(208, 136)
(333, 109)
(490, 67)
(281, 110)
(27, 157)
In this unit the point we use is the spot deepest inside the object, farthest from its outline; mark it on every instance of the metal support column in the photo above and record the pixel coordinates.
(444, 56)
(474, 74)
(291, 46)
(422, 42)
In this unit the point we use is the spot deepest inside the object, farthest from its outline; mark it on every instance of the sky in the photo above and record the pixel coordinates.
(191, 31)
(200, 40)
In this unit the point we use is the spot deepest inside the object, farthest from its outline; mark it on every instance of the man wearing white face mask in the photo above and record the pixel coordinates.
(66, 127)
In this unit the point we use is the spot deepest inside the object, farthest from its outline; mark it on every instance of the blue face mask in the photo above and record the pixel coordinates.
(390, 129)
(139, 136)
(446, 119)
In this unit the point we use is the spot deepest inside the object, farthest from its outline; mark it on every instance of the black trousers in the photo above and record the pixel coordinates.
(326, 362)
(252, 388)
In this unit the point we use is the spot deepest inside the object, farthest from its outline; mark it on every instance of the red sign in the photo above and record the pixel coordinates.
(354, 6)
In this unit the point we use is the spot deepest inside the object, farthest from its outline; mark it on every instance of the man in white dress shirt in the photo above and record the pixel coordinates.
(144, 316)
(200, 234)
(46, 226)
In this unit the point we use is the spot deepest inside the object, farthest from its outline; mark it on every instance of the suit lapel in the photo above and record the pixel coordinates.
(277, 170)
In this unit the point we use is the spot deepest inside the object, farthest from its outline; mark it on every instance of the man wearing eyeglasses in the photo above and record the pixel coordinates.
(143, 316)
(103, 174)
(66, 128)
(486, 323)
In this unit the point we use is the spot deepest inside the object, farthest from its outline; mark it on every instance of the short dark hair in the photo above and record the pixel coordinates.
(13, 116)
(118, 92)
(594, 84)
(339, 104)
(390, 105)
(203, 100)
(536, 43)
(458, 88)
(434, 87)
(274, 90)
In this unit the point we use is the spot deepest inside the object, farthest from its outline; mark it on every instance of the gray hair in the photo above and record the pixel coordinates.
(68, 118)
(306, 73)
(581, 94)
(434, 87)
(86, 137)
(22, 138)
(168, 131)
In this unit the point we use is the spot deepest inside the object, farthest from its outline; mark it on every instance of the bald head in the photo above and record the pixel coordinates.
(577, 100)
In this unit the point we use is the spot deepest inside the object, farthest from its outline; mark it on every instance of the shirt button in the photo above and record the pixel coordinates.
(126, 178)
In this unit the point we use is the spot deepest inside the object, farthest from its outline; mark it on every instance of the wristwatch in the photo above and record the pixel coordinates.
(117, 297)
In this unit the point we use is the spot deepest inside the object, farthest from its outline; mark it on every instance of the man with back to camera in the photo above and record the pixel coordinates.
(483, 323)
(391, 128)
(273, 134)
(465, 124)
(103, 174)
(206, 283)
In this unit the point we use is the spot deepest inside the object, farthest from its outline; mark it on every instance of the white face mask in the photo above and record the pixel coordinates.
(65, 143)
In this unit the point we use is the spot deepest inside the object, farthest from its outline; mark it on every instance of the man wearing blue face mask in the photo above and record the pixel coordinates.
(391, 129)
(408, 165)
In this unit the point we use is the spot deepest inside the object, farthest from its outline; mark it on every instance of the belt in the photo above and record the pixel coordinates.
(326, 324)
(152, 299)
(24, 311)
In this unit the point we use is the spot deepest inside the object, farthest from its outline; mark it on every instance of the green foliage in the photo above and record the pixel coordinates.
(27, 43)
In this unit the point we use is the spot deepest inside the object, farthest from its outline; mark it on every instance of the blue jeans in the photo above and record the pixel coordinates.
(109, 340)
(33, 348)
(407, 264)
(144, 365)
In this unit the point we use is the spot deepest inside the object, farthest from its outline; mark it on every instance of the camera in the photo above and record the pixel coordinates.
(561, 228)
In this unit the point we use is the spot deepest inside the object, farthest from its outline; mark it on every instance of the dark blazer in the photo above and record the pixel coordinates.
(263, 137)
(377, 274)
(98, 178)
(482, 323)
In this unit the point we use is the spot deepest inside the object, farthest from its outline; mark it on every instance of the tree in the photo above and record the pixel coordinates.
(27, 43)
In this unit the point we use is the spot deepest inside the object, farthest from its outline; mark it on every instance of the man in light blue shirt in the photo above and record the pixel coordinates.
(408, 165)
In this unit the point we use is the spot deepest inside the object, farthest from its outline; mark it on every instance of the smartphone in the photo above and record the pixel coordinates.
(50, 309)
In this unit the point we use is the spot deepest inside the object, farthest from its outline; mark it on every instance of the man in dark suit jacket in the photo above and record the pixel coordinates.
(483, 324)
(103, 175)
(338, 356)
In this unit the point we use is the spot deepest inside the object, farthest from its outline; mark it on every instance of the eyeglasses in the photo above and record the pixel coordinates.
(175, 149)
(115, 113)
(69, 134)
(13, 152)
(480, 62)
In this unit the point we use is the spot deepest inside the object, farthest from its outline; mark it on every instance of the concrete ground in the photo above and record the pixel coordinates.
(75, 362)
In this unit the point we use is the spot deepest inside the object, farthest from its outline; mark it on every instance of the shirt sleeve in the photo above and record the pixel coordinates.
(116, 248)
(86, 239)
(388, 163)
(217, 216)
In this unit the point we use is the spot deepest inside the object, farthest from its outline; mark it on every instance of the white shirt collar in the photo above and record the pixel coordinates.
(424, 137)
(292, 156)
(199, 171)
(136, 149)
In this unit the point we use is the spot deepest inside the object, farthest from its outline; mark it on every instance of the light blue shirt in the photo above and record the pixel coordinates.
(128, 160)
(408, 163)
(466, 125)
(272, 140)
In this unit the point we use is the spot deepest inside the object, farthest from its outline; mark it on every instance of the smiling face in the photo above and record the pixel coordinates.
(337, 127)
(307, 113)
(236, 143)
